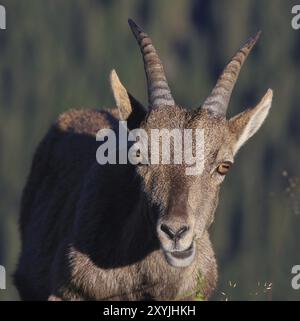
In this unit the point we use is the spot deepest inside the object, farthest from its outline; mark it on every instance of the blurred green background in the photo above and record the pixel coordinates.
(57, 55)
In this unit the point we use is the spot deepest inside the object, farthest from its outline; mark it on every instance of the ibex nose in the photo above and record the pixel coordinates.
(174, 235)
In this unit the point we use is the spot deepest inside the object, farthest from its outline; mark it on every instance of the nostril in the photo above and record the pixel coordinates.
(174, 235)
(166, 229)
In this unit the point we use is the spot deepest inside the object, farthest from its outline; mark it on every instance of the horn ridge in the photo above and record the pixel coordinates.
(159, 92)
(217, 102)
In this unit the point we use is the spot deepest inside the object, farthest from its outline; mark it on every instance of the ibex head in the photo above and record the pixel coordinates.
(186, 203)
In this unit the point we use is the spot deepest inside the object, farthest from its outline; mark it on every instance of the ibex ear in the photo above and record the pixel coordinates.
(129, 108)
(247, 123)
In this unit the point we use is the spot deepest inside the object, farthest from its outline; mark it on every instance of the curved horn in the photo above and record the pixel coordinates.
(158, 89)
(217, 102)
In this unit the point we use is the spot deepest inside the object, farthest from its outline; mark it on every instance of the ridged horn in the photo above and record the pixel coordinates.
(217, 102)
(159, 93)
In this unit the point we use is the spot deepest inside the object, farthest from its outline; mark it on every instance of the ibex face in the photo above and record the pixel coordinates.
(186, 203)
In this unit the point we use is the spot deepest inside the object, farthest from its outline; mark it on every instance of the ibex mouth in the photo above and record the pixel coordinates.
(183, 254)
(181, 258)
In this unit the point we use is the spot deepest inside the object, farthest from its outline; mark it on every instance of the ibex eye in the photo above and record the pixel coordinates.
(223, 168)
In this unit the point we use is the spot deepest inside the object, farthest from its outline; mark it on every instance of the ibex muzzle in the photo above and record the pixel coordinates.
(175, 229)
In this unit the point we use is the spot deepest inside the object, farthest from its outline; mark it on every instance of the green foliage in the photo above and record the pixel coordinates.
(196, 294)
(57, 55)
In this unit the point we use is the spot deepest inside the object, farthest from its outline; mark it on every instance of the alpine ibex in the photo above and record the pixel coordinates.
(99, 232)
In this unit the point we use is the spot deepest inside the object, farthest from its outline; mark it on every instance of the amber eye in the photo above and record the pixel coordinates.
(223, 168)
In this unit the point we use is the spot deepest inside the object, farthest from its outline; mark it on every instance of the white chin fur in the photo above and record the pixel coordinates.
(176, 262)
